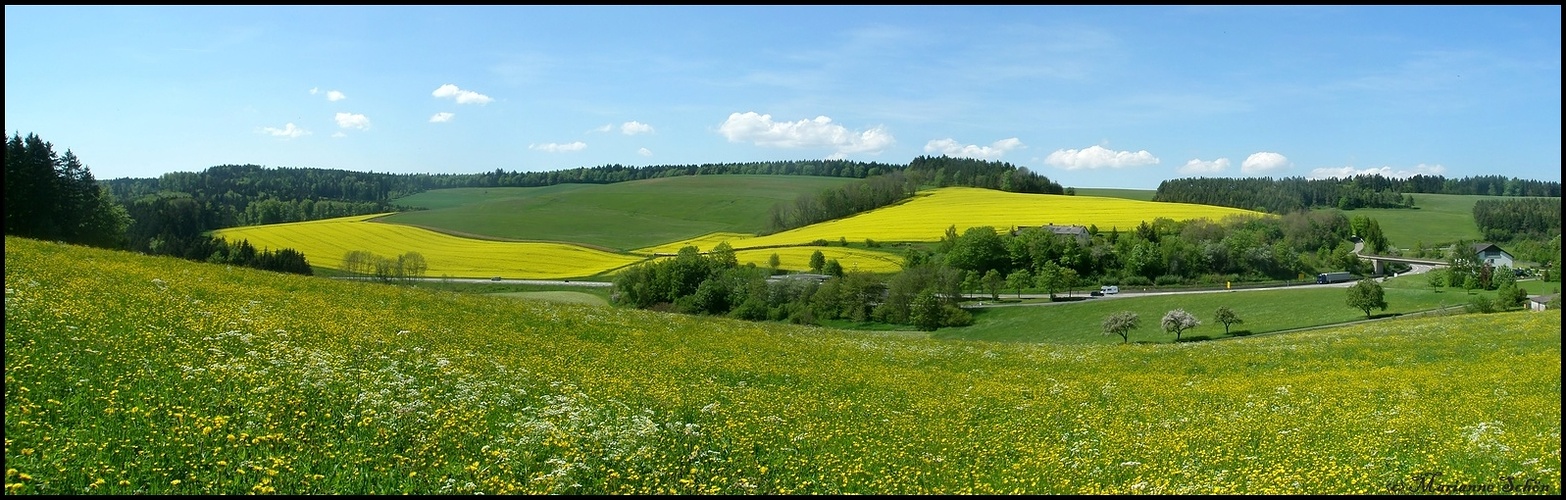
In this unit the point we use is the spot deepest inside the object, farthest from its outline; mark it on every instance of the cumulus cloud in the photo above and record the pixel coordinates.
(603, 128)
(288, 131)
(315, 90)
(1197, 166)
(1099, 157)
(339, 135)
(950, 147)
(442, 117)
(353, 120)
(760, 130)
(633, 128)
(558, 148)
(644, 152)
(335, 96)
(1264, 162)
(462, 96)
(1347, 172)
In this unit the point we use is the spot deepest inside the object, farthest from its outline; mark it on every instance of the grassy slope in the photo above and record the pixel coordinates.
(1437, 219)
(1263, 311)
(1129, 194)
(134, 374)
(625, 215)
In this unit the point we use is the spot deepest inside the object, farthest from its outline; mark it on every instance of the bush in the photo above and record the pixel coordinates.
(1480, 304)
(1168, 279)
(1135, 281)
(956, 316)
(1109, 281)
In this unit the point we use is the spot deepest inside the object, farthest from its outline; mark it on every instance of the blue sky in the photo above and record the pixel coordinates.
(1089, 96)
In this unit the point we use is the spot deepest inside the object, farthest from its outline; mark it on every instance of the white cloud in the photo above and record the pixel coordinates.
(558, 148)
(353, 120)
(818, 133)
(604, 128)
(644, 152)
(633, 128)
(462, 96)
(1346, 172)
(442, 117)
(1264, 162)
(288, 131)
(1197, 166)
(335, 96)
(950, 147)
(315, 90)
(1095, 157)
(339, 135)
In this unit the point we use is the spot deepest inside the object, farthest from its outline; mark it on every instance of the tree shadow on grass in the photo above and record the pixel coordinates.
(1241, 333)
(1069, 299)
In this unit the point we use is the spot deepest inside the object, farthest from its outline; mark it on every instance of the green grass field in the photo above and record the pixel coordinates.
(1437, 219)
(623, 216)
(1263, 311)
(1129, 194)
(560, 296)
(130, 374)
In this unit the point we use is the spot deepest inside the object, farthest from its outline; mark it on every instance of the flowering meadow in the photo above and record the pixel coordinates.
(133, 374)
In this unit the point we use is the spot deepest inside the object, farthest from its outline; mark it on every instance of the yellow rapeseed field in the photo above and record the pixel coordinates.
(325, 242)
(703, 243)
(929, 213)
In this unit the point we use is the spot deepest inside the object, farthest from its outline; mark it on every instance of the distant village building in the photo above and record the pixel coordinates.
(1078, 232)
(800, 277)
(1494, 256)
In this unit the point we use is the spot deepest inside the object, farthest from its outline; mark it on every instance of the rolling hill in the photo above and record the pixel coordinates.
(622, 216)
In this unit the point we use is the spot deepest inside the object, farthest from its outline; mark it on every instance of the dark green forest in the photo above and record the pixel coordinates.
(1289, 194)
(1522, 218)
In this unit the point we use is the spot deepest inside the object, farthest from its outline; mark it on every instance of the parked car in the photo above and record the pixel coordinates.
(1096, 293)
(497, 278)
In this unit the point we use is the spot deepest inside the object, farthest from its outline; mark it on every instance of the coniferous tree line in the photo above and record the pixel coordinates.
(53, 196)
(1290, 194)
(1509, 219)
(986, 260)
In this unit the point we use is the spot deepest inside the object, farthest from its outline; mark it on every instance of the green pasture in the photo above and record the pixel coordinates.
(625, 215)
(560, 296)
(1436, 219)
(1129, 194)
(1263, 311)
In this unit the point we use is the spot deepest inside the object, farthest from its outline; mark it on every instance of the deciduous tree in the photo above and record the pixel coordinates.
(1178, 321)
(1121, 323)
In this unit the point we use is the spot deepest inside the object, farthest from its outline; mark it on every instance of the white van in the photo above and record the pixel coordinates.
(1109, 289)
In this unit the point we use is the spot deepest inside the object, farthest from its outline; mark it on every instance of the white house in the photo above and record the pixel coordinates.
(1488, 253)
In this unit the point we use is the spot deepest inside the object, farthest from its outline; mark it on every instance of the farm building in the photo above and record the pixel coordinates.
(1078, 232)
(1540, 302)
(800, 277)
(1494, 256)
